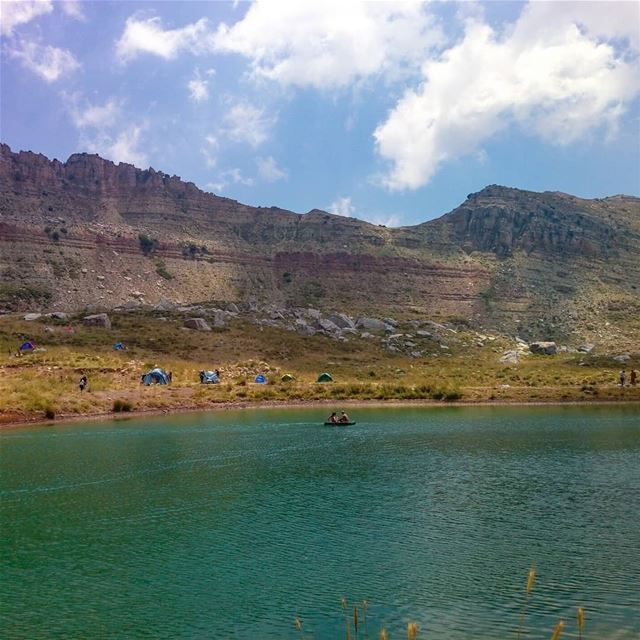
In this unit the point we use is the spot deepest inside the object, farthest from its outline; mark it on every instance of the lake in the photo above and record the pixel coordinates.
(231, 524)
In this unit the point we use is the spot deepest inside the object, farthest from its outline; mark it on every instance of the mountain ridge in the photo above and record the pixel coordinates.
(513, 259)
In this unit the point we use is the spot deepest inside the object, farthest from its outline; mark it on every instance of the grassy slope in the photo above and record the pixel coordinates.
(47, 379)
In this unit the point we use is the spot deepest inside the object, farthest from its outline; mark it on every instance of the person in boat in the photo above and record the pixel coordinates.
(344, 417)
(333, 418)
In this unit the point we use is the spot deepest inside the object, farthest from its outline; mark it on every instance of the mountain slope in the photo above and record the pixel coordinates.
(89, 232)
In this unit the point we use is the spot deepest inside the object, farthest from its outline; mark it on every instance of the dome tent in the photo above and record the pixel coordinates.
(209, 377)
(325, 377)
(155, 376)
(287, 377)
(26, 346)
(260, 379)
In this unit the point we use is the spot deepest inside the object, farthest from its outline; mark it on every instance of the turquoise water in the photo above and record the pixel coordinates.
(228, 525)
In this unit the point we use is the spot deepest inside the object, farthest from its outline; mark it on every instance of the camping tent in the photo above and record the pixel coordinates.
(26, 346)
(325, 377)
(155, 376)
(118, 346)
(287, 377)
(209, 377)
(260, 379)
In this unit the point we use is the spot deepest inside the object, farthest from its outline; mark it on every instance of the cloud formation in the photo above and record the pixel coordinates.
(247, 123)
(147, 35)
(552, 73)
(198, 88)
(95, 115)
(342, 207)
(50, 63)
(16, 12)
(332, 43)
(121, 146)
(269, 170)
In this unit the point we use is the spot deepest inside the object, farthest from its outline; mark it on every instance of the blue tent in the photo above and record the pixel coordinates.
(260, 379)
(26, 346)
(155, 376)
(118, 346)
(209, 377)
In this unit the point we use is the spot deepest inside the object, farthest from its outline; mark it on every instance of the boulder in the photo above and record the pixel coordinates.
(416, 354)
(586, 348)
(97, 320)
(509, 357)
(199, 324)
(543, 348)
(30, 317)
(219, 319)
(58, 315)
(343, 321)
(165, 305)
(232, 308)
(303, 328)
(327, 325)
(623, 357)
(424, 334)
(373, 324)
(313, 313)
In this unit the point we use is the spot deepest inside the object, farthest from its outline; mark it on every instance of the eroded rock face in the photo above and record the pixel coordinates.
(97, 320)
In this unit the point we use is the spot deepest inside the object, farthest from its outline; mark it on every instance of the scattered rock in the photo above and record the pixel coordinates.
(97, 320)
(343, 321)
(424, 334)
(373, 324)
(510, 357)
(58, 315)
(232, 308)
(199, 324)
(303, 328)
(586, 348)
(327, 325)
(29, 317)
(219, 319)
(544, 348)
(623, 357)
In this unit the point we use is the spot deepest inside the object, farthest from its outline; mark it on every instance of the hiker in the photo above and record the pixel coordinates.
(201, 374)
(344, 417)
(217, 373)
(333, 418)
(634, 378)
(83, 383)
(623, 377)
(170, 376)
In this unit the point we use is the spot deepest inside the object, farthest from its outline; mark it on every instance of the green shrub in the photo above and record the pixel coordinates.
(161, 270)
(49, 413)
(121, 405)
(147, 244)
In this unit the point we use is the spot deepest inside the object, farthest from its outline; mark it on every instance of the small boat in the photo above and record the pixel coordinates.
(339, 424)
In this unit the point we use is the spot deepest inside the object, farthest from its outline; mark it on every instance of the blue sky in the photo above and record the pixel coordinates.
(390, 112)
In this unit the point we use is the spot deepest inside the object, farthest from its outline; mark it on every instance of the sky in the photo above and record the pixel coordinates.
(392, 112)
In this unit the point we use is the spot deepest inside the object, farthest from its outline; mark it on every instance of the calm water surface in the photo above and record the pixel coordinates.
(228, 525)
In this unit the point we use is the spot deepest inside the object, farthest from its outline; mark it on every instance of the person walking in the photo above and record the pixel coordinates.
(623, 377)
(83, 383)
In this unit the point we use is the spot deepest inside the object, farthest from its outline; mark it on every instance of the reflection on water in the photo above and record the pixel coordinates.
(231, 524)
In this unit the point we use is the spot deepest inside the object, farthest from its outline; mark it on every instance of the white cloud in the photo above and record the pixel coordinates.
(198, 88)
(95, 115)
(269, 170)
(555, 78)
(209, 158)
(50, 63)
(147, 35)
(342, 207)
(16, 12)
(247, 123)
(230, 176)
(331, 43)
(122, 146)
(73, 8)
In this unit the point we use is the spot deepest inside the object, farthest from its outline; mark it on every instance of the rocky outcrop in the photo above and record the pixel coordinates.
(544, 348)
(199, 324)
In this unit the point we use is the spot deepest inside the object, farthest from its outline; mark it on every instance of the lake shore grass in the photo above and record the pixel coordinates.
(43, 386)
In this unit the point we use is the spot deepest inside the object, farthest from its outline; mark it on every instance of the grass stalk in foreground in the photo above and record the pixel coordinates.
(558, 630)
(580, 618)
(298, 624)
(531, 578)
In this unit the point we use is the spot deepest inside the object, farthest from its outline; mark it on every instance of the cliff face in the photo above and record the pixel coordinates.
(89, 232)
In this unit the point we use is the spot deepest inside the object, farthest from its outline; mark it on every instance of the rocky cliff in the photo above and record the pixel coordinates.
(87, 232)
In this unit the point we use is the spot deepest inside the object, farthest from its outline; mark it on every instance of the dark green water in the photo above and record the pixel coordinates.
(228, 525)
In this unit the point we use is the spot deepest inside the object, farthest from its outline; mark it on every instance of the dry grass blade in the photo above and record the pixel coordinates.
(558, 630)
(355, 617)
(383, 634)
(531, 578)
(298, 624)
(580, 617)
(412, 630)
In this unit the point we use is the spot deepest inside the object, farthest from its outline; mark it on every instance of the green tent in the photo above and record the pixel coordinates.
(287, 377)
(325, 377)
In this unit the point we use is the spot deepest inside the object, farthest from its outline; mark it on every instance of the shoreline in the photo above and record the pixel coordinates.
(298, 404)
